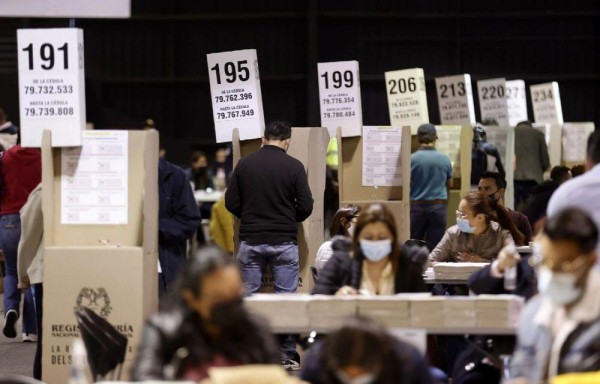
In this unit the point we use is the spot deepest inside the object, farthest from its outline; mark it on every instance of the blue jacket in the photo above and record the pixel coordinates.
(178, 218)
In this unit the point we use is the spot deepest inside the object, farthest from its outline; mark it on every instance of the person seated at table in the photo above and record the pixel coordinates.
(362, 351)
(374, 263)
(199, 174)
(490, 279)
(342, 224)
(479, 233)
(559, 329)
(207, 325)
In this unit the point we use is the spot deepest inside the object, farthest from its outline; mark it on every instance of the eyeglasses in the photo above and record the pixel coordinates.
(461, 215)
(576, 264)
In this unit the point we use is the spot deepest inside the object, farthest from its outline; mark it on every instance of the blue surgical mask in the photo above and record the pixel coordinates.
(375, 250)
(367, 378)
(464, 226)
(559, 287)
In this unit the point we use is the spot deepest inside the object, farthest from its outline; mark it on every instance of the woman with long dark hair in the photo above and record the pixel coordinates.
(373, 262)
(477, 235)
(207, 325)
(342, 224)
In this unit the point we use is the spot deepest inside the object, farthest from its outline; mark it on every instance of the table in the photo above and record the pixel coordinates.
(203, 196)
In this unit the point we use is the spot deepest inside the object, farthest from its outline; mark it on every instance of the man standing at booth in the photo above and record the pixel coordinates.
(430, 175)
(269, 193)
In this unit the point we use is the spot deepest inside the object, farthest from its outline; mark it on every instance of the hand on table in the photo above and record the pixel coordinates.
(470, 257)
(346, 290)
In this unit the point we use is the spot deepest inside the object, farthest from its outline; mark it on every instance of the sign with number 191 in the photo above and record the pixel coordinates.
(51, 85)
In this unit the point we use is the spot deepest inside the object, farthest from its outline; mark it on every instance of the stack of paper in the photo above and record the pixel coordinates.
(498, 310)
(330, 312)
(427, 311)
(393, 311)
(282, 310)
(459, 311)
(456, 271)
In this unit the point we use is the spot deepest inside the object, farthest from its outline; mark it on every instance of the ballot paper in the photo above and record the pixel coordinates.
(393, 311)
(248, 374)
(330, 312)
(498, 310)
(427, 311)
(283, 310)
(456, 271)
(459, 311)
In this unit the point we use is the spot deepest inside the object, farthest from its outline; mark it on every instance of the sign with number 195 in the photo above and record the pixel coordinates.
(51, 85)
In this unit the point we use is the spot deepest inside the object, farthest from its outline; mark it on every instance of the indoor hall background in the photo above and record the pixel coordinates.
(154, 64)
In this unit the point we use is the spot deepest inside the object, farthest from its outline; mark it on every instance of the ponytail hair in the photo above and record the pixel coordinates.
(480, 204)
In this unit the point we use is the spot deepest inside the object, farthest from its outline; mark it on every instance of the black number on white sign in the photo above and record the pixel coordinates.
(492, 92)
(339, 79)
(541, 96)
(459, 90)
(47, 55)
(402, 85)
(232, 72)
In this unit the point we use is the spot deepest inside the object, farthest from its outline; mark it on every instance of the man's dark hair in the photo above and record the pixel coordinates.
(278, 130)
(500, 180)
(559, 174)
(574, 225)
(525, 123)
(593, 147)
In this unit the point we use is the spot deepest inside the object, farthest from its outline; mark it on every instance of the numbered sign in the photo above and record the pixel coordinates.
(516, 99)
(339, 91)
(492, 100)
(455, 100)
(51, 85)
(574, 141)
(407, 100)
(546, 103)
(381, 156)
(235, 93)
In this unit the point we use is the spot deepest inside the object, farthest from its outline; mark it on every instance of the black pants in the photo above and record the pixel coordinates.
(38, 295)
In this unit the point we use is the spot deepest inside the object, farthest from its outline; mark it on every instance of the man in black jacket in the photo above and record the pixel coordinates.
(269, 192)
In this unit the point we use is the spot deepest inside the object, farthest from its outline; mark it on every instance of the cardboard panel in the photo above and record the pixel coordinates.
(309, 146)
(120, 275)
(109, 280)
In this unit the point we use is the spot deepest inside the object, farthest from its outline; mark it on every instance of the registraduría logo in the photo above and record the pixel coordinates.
(95, 299)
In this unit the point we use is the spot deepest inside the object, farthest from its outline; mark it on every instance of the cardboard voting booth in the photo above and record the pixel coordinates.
(351, 176)
(574, 142)
(504, 139)
(100, 204)
(308, 145)
(455, 141)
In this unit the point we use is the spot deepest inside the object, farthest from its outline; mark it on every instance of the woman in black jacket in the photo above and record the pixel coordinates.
(374, 262)
(207, 326)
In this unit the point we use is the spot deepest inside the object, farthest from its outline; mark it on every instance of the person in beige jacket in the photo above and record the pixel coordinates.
(30, 262)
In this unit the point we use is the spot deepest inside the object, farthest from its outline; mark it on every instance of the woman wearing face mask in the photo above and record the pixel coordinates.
(476, 237)
(342, 225)
(374, 263)
(206, 327)
(363, 352)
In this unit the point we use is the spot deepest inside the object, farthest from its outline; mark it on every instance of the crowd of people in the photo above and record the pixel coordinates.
(203, 322)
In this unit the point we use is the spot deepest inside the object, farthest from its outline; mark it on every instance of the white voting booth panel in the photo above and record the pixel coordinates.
(352, 158)
(547, 109)
(112, 268)
(308, 145)
(574, 142)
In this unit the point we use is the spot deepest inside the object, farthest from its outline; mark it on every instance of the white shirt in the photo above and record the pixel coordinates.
(323, 255)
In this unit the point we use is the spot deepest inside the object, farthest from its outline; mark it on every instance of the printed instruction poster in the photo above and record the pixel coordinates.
(381, 156)
(94, 179)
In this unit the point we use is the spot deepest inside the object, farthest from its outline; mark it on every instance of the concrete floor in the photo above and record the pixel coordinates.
(16, 357)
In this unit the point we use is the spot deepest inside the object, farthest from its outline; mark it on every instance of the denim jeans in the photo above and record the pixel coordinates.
(11, 233)
(283, 260)
(428, 222)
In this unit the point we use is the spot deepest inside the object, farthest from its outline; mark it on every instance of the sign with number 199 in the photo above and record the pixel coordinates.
(51, 85)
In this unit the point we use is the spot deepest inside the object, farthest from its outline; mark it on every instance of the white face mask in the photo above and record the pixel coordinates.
(351, 229)
(375, 250)
(367, 378)
(559, 287)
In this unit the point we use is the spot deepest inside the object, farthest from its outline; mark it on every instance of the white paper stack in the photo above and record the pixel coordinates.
(427, 311)
(282, 310)
(393, 311)
(456, 271)
(498, 311)
(459, 312)
(330, 312)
